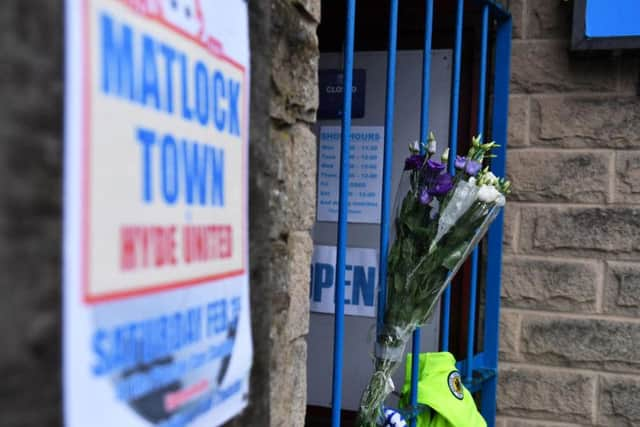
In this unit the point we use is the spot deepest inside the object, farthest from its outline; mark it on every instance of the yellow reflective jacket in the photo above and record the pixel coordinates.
(440, 388)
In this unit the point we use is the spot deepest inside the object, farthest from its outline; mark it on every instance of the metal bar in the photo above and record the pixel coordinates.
(453, 148)
(338, 333)
(424, 131)
(387, 164)
(482, 84)
(494, 254)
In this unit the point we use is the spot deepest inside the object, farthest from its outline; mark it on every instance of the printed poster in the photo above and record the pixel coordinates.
(156, 307)
(366, 155)
(361, 281)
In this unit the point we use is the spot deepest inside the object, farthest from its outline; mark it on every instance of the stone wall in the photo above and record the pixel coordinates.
(570, 345)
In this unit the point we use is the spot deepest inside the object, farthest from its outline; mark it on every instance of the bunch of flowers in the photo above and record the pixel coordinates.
(439, 221)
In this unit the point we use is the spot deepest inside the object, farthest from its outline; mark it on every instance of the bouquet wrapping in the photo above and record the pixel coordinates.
(439, 221)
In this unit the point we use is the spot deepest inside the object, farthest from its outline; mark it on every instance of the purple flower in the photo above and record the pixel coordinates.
(435, 166)
(472, 167)
(460, 162)
(425, 197)
(413, 162)
(442, 185)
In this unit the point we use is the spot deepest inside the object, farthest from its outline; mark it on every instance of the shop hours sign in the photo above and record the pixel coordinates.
(365, 173)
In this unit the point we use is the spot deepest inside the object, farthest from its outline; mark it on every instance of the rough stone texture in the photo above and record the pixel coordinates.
(622, 289)
(589, 343)
(295, 61)
(590, 231)
(549, 285)
(289, 185)
(516, 7)
(546, 67)
(509, 336)
(518, 121)
(31, 118)
(539, 393)
(289, 385)
(619, 404)
(515, 422)
(574, 139)
(556, 176)
(548, 19)
(628, 82)
(597, 122)
(628, 177)
(511, 224)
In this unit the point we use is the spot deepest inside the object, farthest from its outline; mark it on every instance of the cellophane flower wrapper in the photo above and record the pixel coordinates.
(431, 240)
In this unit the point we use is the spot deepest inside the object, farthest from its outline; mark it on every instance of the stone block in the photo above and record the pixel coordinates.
(546, 394)
(543, 66)
(509, 336)
(549, 285)
(294, 73)
(556, 176)
(548, 19)
(622, 289)
(628, 177)
(516, 7)
(581, 343)
(518, 135)
(613, 231)
(598, 122)
(288, 384)
(629, 70)
(310, 8)
(619, 403)
(511, 224)
(300, 247)
(301, 177)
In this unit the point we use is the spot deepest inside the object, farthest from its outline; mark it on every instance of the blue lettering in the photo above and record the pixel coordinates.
(363, 284)
(169, 56)
(102, 353)
(169, 169)
(149, 74)
(186, 113)
(202, 93)
(217, 176)
(234, 121)
(195, 169)
(147, 139)
(219, 116)
(117, 60)
(323, 279)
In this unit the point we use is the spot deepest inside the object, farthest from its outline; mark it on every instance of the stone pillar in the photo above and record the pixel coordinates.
(571, 283)
(31, 87)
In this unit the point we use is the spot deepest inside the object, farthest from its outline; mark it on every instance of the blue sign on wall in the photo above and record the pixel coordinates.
(607, 18)
(331, 87)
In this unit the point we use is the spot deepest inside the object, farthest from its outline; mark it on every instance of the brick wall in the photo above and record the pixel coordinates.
(570, 344)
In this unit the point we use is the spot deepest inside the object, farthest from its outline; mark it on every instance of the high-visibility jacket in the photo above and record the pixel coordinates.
(440, 388)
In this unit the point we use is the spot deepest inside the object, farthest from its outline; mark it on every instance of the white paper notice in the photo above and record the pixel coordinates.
(361, 281)
(157, 327)
(365, 173)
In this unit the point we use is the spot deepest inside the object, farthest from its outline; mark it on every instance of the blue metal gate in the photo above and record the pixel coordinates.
(479, 369)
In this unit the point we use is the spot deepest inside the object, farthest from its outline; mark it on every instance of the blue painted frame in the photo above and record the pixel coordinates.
(480, 369)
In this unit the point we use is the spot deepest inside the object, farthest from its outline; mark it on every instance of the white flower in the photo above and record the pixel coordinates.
(432, 147)
(489, 194)
(472, 180)
(414, 147)
(445, 156)
(490, 178)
